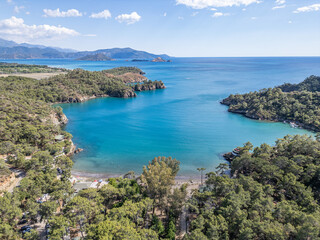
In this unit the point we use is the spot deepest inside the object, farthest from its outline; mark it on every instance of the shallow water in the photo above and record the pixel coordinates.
(185, 120)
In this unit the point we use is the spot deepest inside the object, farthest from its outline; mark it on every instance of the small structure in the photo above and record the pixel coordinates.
(81, 185)
(59, 138)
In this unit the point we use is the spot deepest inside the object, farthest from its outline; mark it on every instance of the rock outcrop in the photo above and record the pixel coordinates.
(159, 59)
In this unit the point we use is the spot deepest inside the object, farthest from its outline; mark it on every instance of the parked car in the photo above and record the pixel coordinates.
(22, 221)
(25, 229)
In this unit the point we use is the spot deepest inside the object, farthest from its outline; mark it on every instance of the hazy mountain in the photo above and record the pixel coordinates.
(13, 50)
(7, 43)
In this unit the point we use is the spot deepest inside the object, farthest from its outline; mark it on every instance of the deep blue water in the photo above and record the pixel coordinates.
(185, 120)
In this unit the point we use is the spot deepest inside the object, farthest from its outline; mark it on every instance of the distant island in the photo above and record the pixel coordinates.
(298, 104)
(95, 57)
(157, 59)
(13, 50)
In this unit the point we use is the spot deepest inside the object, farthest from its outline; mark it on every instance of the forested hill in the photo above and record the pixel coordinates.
(78, 85)
(310, 84)
(299, 103)
(33, 144)
(273, 194)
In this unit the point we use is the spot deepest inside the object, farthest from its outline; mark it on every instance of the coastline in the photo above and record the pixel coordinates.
(83, 174)
(244, 113)
(91, 178)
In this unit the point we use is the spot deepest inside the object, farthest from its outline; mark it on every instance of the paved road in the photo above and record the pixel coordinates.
(20, 174)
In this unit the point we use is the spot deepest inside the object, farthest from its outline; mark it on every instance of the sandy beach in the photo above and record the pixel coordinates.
(85, 177)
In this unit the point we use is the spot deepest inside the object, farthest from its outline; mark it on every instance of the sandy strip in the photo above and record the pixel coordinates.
(193, 181)
(37, 76)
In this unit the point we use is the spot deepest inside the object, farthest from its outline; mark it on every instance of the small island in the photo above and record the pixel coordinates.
(157, 59)
(96, 57)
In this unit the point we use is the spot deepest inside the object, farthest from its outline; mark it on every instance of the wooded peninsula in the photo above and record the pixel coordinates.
(298, 103)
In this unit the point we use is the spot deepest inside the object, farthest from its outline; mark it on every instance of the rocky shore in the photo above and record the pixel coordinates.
(255, 117)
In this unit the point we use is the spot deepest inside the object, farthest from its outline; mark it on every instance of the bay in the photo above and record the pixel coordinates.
(185, 120)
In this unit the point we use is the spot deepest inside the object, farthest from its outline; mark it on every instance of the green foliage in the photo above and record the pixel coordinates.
(299, 103)
(117, 230)
(148, 85)
(28, 127)
(122, 70)
(158, 177)
(274, 195)
(310, 84)
(26, 68)
(157, 225)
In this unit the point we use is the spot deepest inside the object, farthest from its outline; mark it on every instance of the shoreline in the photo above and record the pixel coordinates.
(83, 174)
(87, 176)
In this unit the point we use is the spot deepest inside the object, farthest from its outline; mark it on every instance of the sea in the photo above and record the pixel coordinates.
(184, 121)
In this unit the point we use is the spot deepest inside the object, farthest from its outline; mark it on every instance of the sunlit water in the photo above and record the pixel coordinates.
(185, 120)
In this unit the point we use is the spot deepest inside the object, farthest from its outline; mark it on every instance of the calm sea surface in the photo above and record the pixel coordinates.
(185, 120)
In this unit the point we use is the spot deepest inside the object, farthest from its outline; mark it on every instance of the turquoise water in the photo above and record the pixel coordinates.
(185, 120)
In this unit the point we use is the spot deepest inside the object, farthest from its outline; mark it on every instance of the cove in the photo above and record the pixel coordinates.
(185, 120)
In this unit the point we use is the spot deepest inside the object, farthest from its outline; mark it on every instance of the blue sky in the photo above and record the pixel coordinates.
(181, 28)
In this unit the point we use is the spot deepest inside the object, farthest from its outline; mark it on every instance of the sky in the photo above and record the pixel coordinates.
(180, 28)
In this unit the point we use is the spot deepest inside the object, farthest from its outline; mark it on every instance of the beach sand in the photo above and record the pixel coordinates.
(193, 181)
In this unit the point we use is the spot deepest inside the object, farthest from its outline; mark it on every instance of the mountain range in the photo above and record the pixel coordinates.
(13, 50)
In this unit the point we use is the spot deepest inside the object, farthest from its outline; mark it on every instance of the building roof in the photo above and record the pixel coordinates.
(59, 137)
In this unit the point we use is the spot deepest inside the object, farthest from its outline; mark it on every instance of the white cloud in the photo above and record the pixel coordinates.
(58, 13)
(194, 14)
(129, 18)
(280, 2)
(278, 7)
(15, 29)
(18, 8)
(219, 14)
(310, 8)
(253, 18)
(290, 22)
(180, 18)
(9, 1)
(89, 35)
(213, 9)
(104, 14)
(200, 4)
(165, 14)
(244, 9)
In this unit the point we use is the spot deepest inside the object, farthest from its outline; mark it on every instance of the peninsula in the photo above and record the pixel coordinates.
(296, 103)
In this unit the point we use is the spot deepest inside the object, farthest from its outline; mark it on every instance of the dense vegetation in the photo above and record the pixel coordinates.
(299, 103)
(75, 86)
(311, 84)
(26, 68)
(274, 194)
(122, 70)
(29, 126)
